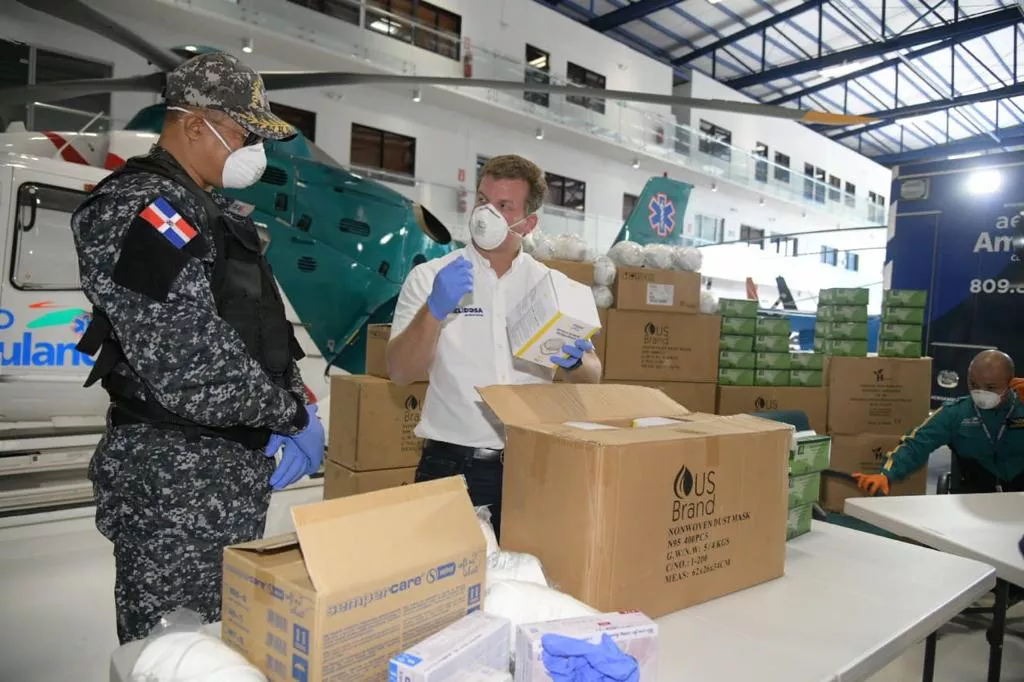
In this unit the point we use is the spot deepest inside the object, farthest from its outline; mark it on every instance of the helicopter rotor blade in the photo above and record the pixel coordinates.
(56, 91)
(80, 14)
(292, 80)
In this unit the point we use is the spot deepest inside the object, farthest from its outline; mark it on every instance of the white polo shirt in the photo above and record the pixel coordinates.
(472, 349)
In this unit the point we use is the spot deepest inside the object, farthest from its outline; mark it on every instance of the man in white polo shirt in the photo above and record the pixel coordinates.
(450, 323)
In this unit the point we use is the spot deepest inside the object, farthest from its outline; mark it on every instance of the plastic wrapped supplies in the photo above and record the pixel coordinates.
(543, 246)
(525, 602)
(571, 247)
(603, 296)
(516, 566)
(604, 271)
(627, 254)
(658, 256)
(483, 514)
(708, 303)
(687, 259)
(177, 651)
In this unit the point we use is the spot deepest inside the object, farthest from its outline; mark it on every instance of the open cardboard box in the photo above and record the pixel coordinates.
(655, 519)
(362, 579)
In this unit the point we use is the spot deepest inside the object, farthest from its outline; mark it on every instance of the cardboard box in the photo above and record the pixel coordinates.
(804, 489)
(799, 521)
(771, 344)
(842, 313)
(706, 500)
(805, 360)
(896, 315)
(739, 326)
(735, 377)
(600, 339)
(772, 361)
(555, 312)
(844, 296)
(342, 482)
(635, 634)
(644, 346)
(901, 332)
(734, 359)
(878, 395)
(774, 326)
(842, 331)
(905, 298)
(576, 271)
(741, 400)
(694, 397)
(373, 423)
(864, 453)
(478, 638)
(809, 453)
(899, 349)
(737, 307)
(806, 378)
(739, 344)
(306, 603)
(377, 337)
(771, 377)
(659, 290)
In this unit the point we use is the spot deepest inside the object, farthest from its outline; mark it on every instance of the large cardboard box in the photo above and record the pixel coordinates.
(694, 397)
(877, 395)
(576, 271)
(307, 604)
(659, 290)
(340, 481)
(645, 346)
(864, 453)
(655, 519)
(377, 337)
(373, 422)
(745, 399)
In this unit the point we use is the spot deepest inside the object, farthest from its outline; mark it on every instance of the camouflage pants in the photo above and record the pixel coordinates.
(170, 507)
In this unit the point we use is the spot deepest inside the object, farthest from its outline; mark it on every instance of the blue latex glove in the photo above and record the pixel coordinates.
(274, 444)
(574, 660)
(575, 352)
(303, 452)
(451, 283)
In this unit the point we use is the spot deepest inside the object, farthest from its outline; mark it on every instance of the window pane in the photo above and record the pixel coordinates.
(44, 250)
(366, 147)
(13, 71)
(399, 153)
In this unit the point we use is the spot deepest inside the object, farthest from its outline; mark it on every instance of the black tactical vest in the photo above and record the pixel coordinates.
(246, 296)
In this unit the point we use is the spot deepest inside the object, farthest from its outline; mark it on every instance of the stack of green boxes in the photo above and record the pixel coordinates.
(809, 455)
(771, 350)
(806, 369)
(842, 324)
(902, 323)
(736, 359)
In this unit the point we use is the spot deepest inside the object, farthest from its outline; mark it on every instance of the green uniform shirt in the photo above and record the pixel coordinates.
(958, 426)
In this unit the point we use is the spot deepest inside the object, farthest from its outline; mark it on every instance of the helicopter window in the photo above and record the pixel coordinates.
(44, 250)
(387, 151)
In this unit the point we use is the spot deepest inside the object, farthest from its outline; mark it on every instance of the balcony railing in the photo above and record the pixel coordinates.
(366, 29)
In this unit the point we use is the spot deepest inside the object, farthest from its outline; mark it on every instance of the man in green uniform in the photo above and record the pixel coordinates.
(985, 430)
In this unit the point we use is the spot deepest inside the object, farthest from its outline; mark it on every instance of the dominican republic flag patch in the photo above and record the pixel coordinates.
(168, 222)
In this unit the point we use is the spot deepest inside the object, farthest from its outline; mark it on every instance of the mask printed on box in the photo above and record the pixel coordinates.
(488, 227)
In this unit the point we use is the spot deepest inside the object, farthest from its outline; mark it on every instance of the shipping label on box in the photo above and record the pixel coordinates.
(740, 344)
(864, 453)
(806, 378)
(905, 298)
(844, 296)
(737, 307)
(799, 521)
(736, 377)
(809, 453)
(373, 423)
(772, 360)
(576, 271)
(899, 349)
(771, 377)
(893, 315)
(658, 290)
(774, 326)
(304, 605)
(842, 331)
(706, 498)
(804, 489)
(842, 313)
(340, 481)
(901, 332)
(739, 326)
(805, 360)
(813, 402)
(732, 359)
(878, 395)
(644, 346)
(557, 311)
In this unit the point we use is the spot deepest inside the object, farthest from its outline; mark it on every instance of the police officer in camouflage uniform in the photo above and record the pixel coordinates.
(194, 349)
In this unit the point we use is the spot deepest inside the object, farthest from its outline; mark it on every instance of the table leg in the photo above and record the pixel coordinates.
(997, 631)
(929, 657)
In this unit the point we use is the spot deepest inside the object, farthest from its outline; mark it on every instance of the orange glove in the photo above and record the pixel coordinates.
(872, 483)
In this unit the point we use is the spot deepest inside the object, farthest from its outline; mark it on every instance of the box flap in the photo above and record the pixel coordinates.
(560, 402)
(270, 544)
(361, 539)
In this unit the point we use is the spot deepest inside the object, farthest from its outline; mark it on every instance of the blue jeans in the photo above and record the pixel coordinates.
(483, 477)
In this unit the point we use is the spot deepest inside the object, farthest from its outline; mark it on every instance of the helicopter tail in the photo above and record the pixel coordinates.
(657, 217)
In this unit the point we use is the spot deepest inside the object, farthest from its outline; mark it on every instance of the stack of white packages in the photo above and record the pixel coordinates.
(479, 639)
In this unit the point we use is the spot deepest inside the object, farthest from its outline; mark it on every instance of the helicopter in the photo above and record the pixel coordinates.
(340, 244)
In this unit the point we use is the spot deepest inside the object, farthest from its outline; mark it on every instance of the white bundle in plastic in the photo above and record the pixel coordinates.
(505, 566)
(528, 243)
(687, 259)
(192, 657)
(570, 247)
(604, 271)
(627, 254)
(523, 602)
(658, 256)
(543, 246)
(483, 515)
(591, 255)
(708, 303)
(603, 296)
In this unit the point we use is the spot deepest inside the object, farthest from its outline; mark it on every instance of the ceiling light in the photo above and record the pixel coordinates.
(540, 134)
(191, 48)
(416, 95)
(636, 163)
(984, 182)
(247, 46)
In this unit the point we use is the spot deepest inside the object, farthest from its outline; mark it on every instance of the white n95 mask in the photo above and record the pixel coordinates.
(244, 166)
(488, 227)
(986, 400)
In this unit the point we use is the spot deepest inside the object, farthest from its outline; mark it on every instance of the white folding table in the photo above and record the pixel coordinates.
(984, 527)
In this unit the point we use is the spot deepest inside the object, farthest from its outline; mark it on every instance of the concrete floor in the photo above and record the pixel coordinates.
(56, 578)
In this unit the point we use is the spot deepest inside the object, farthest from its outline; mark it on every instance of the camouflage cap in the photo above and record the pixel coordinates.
(220, 82)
